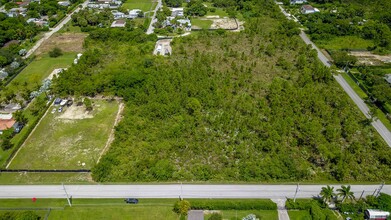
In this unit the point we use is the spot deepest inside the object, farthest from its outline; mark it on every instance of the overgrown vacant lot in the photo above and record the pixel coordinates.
(61, 140)
(250, 106)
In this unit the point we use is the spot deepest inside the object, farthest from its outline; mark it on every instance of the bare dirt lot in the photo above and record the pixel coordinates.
(67, 42)
(162, 47)
(367, 58)
(76, 112)
(223, 23)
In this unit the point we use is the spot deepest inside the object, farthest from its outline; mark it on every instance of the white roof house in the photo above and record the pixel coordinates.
(118, 15)
(5, 116)
(308, 9)
(293, 2)
(177, 12)
(134, 13)
(64, 3)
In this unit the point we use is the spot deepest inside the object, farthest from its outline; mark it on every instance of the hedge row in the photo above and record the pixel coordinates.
(303, 204)
(233, 204)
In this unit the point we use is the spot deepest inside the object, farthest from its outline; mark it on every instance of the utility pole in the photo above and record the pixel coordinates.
(361, 194)
(381, 187)
(297, 190)
(66, 193)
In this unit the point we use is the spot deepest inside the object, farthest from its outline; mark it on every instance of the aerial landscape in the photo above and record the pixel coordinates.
(195, 109)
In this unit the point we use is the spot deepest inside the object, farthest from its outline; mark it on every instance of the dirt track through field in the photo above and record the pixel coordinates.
(111, 137)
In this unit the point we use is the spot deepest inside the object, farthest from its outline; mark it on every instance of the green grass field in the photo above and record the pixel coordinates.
(204, 24)
(98, 208)
(59, 143)
(117, 209)
(40, 69)
(345, 42)
(143, 5)
(44, 178)
(299, 215)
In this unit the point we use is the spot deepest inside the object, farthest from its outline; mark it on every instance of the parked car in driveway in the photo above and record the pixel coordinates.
(60, 109)
(131, 200)
(53, 110)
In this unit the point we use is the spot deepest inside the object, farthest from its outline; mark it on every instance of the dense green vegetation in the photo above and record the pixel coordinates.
(249, 106)
(360, 18)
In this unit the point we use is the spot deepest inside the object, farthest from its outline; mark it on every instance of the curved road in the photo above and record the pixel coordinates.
(52, 31)
(174, 191)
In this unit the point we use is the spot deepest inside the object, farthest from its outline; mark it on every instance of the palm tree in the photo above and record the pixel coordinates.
(345, 192)
(327, 193)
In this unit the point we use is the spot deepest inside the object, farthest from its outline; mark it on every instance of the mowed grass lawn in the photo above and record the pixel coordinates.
(40, 69)
(204, 24)
(143, 5)
(60, 143)
(107, 209)
(299, 215)
(345, 42)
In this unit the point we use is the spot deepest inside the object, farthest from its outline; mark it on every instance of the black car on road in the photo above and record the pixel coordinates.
(131, 200)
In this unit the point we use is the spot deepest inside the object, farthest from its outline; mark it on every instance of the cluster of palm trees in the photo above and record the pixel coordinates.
(329, 195)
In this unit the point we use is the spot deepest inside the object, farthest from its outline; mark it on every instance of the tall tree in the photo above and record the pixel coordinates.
(345, 192)
(327, 193)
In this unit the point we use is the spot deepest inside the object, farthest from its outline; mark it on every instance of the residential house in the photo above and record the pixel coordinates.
(64, 3)
(294, 2)
(185, 23)
(134, 13)
(118, 15)
(177, 12)
(38, 22)
(118, 23)
(10, 108)
(15, 12)
(6, 122)
(3, 74)
(308, 9)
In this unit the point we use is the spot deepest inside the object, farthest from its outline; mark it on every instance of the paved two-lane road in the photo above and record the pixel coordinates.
(154, 19)
(174, 191)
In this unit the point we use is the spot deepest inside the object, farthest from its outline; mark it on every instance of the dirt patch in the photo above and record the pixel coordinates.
(67, 42)
(223, 23)
(367, 58)
(75, 112)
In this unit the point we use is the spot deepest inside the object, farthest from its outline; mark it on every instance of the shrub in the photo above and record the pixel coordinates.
(182, 207)
(215, 216)
(226, 204)
(56, 52)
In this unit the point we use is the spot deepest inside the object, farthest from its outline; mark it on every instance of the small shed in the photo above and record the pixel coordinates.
(195, 215)
(64, 102)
